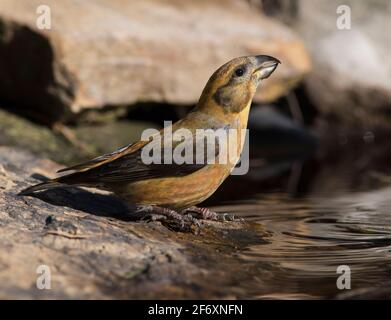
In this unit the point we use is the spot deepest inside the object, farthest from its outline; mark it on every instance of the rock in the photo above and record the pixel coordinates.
(105, 53)
(17, 131)
(275, 136)
(107, 137)
(380, 292)
(351, 76)
(22, 133)
(94, 250)
(277, 143)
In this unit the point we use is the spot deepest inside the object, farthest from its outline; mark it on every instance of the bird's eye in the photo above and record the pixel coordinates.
(239, 72)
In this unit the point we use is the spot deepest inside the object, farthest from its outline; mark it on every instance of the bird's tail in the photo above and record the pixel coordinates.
(40, 186)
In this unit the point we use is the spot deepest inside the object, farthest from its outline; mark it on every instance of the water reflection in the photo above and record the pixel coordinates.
(313, 216)
(306, 239)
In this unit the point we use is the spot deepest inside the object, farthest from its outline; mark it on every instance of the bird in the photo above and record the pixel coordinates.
(173, 190)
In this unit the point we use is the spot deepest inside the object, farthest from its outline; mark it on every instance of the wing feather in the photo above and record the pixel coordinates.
(126, 164)
(105, 158)
(130, 167)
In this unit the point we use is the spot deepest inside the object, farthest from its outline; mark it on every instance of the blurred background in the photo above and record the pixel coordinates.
(93, 74)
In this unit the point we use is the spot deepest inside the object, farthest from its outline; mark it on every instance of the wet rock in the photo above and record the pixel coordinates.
(118, 53)
(382, 292)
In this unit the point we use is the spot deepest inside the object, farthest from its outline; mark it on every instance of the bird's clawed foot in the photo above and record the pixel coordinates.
(183, 221)
(207, 214)
(171, 218)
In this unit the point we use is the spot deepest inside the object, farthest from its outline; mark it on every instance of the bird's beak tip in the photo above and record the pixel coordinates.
(266, 66)
(265, 58)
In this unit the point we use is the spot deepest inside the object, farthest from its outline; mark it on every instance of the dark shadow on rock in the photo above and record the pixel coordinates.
(104, 205)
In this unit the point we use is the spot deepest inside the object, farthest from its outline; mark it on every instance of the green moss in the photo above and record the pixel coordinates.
(42, 141)
(22, 133)
(109, 136)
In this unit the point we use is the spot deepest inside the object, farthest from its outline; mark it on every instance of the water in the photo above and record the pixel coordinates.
(294, 241)
(303, 241)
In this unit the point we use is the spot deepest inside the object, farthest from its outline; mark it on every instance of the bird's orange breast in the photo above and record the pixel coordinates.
(176, 192)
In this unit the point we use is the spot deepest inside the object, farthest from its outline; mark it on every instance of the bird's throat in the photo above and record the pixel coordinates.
(233, 101)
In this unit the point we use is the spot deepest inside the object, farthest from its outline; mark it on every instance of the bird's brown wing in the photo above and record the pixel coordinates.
(126, 164)
(128, 149)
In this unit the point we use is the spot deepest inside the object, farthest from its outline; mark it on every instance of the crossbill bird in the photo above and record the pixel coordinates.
(172, 190)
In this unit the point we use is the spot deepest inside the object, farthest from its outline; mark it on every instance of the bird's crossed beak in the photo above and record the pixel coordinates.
(265, 65)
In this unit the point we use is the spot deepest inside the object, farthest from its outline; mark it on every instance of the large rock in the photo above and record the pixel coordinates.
(114, 53)
(94, 250)
(351, 78)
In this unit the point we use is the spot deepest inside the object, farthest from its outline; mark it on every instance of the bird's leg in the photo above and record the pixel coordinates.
(155, 213)
(207, 214)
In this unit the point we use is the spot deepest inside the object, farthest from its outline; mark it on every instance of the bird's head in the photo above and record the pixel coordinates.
(233, 85)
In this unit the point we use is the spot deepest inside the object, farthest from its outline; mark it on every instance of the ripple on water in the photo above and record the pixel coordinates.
(305, 240)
